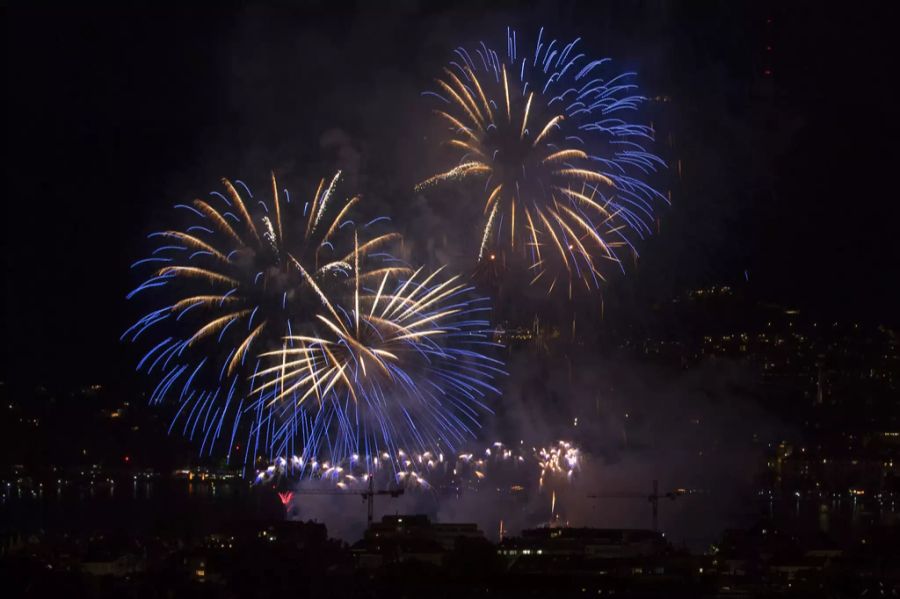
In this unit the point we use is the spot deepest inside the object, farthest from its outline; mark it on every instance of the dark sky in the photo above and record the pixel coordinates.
(113, 117)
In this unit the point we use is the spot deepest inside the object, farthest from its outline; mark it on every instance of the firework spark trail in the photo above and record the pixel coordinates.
(238, 284)
(549, 134)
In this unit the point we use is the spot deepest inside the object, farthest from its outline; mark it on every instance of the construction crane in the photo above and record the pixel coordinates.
(653, 498)
(368, 496)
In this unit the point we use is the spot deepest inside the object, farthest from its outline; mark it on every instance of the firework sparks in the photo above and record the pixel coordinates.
(564, 169)
(400, 365)
(238, 284)
(531, 467)
(562, 459)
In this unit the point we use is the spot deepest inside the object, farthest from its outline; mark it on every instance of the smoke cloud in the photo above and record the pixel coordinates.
(634, 422)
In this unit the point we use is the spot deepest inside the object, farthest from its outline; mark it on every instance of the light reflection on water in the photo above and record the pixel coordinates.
(148, 504)
(843, 519)
(132, 505)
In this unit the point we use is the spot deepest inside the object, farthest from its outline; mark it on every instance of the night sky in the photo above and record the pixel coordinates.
(114, 117)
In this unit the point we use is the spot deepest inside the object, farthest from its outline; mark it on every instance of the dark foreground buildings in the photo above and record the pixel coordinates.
(410, 556)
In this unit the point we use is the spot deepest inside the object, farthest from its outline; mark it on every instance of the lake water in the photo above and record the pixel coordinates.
(196, 508)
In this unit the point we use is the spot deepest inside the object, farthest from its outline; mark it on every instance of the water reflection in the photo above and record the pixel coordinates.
(844, 520)
(172, 502)
(132, 504)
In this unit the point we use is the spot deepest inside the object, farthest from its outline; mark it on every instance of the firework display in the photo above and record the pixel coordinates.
(285, 328)
(352, 300)
(564, 170)
(242, 276)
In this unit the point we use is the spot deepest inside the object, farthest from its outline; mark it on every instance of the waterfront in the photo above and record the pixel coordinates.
(199, 507)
